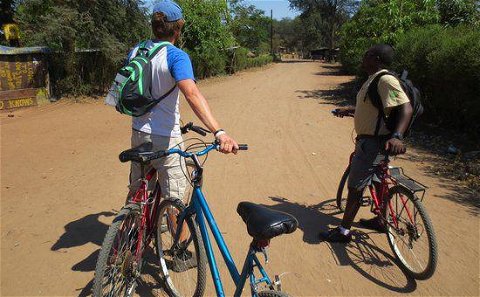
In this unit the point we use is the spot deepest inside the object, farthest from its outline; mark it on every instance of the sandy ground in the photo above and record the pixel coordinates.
(61, 184)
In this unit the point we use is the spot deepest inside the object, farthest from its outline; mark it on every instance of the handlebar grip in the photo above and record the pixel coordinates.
(199, 130)
(243, 147)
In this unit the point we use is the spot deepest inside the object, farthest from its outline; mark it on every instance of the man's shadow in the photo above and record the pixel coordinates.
(89, 229)
(375, 264)
(80, 232)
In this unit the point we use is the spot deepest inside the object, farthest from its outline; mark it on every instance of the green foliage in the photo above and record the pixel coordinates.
(6, 12)
(205, 36)
(445, 64)
(241, 60)
(109, 26)
(250, 26)
(454, 12)
(379, 21)
(288, 33)
(321, 20)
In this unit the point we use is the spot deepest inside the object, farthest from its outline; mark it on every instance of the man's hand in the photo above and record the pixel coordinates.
(395, 146)
(341, 112)
(227, 144)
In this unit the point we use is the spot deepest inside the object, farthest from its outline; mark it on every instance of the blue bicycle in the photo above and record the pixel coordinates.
(182, 242)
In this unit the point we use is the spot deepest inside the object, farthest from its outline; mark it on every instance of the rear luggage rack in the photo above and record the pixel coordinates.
(401, 178)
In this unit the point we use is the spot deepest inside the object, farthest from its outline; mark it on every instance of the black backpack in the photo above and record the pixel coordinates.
(133, 83)
(413, 95)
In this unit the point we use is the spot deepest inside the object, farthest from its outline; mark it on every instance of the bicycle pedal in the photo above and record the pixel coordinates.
(366, 201)
(277, 283)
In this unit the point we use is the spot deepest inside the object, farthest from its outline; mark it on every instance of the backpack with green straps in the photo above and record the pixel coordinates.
(132, 88)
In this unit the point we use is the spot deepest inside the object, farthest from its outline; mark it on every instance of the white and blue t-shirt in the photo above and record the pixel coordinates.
(170, 65)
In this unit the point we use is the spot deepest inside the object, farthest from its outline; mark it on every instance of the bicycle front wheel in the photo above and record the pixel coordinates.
(117, 266)
(410, 233)
(271, 293)
(342, 191)
(182, 266)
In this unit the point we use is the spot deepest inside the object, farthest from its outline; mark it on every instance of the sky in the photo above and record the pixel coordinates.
(280, 8)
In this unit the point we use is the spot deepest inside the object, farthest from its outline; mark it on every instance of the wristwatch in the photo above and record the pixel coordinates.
(397, 135)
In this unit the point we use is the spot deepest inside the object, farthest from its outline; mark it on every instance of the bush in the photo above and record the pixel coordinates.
(381, 22)
(241, 61)
(445, 64)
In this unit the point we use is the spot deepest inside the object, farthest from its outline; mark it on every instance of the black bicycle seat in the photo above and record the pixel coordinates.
(137, 154)
(264, 223)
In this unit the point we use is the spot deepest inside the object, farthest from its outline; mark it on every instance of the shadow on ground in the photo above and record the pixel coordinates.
(362, 253)
(341, 95)
(90, 230)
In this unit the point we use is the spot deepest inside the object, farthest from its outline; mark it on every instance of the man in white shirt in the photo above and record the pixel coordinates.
(171, 66)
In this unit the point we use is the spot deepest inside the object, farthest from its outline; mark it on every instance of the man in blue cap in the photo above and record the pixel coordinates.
(171, 67)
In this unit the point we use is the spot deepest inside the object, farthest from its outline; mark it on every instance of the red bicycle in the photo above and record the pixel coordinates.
(119, 264)
(397, 202)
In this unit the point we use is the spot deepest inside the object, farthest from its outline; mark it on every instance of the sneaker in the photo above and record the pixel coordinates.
(334, 235)
(183, 261)
(374, 224)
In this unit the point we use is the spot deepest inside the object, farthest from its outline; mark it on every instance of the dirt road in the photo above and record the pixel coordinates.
(61, 184)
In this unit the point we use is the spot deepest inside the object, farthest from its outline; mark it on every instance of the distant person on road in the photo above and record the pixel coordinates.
(161, 126)
(373, 140)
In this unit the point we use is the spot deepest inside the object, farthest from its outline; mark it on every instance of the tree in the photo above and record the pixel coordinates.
(381, 21)
(110, 26)
(323, 18)
(6, 12)
(455, 12)
(249, 25)
(206, 36)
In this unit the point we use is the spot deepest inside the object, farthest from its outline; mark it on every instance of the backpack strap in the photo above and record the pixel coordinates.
(152, 53)
(154, 50)
(374, 96)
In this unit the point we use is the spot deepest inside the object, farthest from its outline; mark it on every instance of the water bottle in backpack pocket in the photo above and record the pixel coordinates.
(113, 95)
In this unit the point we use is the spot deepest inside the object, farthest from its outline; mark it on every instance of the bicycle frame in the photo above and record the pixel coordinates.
(379, 198)
(199, 207)
(149, 207)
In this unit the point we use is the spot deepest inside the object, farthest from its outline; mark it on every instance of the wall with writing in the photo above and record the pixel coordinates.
(23, 77)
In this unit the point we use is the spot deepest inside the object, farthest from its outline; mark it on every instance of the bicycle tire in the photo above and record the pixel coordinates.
(271, 293)
(432, 250)
(191, 281)
(341, 200)
(121, 233)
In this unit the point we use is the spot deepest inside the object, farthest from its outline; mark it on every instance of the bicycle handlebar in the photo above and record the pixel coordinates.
(190, 127)
(161, 154)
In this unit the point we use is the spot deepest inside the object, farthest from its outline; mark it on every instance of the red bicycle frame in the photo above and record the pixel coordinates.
(149, 207)
(380, 193)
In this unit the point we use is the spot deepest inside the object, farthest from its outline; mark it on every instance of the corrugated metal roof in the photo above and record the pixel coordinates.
(5, 50)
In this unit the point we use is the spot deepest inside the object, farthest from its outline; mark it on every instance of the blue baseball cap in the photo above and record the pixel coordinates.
(170, 9)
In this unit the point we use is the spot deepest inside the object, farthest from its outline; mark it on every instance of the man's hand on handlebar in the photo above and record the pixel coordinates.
(395, 147)
(341, 112)
(227, 144)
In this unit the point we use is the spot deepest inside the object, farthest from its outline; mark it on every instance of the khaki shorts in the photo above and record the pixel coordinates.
(369, 152)
(170, 169)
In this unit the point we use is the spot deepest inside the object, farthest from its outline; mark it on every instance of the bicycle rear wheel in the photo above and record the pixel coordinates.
(117, 268)
(182, 266)
(413, 242)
